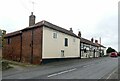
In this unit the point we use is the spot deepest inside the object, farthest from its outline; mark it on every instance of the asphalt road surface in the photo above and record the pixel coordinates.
(95, 68)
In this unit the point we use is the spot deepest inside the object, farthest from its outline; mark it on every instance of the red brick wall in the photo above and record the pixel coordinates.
(27, 46)
(37, 46)
(12, 51)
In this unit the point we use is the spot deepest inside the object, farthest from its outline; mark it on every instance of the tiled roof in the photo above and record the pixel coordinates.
(12, 33)
(86, 41)
(46, 24)
(101, 46)
(54, 27)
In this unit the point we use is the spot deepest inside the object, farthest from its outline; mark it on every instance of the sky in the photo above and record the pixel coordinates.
(94, 18)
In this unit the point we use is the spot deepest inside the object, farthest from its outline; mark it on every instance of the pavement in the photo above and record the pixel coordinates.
(94, 68)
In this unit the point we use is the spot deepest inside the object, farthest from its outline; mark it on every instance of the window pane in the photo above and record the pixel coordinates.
(9, 41)
(66, 42)
(54, 35)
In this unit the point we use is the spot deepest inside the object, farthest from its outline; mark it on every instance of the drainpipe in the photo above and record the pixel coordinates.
(20, 46)
(80, 50)
(31, 60)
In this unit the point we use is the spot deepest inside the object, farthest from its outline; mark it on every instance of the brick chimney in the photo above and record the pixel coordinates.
(79, 34)
(31, 19)
(96, 41)
(92, 39)
(71, 30)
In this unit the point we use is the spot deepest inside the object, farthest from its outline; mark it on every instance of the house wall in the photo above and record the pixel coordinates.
(104, 50)
(0, 52)
(0, 41)
(26, 46)
(32, 52)
(97, 54)
(21, 48)
(52, 46)
(37, 45)
(88, 53)
(11, 51)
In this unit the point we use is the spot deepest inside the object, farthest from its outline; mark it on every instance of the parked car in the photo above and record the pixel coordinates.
(113, 54)
(118, 53)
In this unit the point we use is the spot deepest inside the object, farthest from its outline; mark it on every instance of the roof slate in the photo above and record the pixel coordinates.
(83, 40)
(86, 41)
(54, 27)
(45, 24)
(12, 33)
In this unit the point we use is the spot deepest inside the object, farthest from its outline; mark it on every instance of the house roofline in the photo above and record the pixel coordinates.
(46, 24)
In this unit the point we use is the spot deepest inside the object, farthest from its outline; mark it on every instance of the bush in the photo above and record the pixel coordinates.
(109, 50)
(5, 65)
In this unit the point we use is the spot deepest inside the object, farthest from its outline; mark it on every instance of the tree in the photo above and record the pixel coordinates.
(3, 40)
(109, 50)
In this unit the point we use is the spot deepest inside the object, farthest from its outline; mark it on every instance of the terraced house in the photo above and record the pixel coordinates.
(43, 40)
(91, 49)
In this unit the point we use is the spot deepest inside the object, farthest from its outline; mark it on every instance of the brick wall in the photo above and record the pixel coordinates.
(21, 48)
(11, 51)
(37, 45)
(27, 46)
(0, 41)
(0, 52)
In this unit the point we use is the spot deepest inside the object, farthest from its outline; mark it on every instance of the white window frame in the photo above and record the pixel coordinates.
(54, 35)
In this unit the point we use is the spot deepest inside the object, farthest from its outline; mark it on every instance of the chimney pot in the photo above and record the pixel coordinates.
(96, 41)
(71, 30)
(79, 34)
(31, 19)
(92, 39)
(31, 13)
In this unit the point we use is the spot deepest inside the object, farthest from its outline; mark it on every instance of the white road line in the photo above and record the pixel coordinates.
(111, 74)
(63, 72)
(72, 69)
(55, 74)
(86, 66)
(52, 75)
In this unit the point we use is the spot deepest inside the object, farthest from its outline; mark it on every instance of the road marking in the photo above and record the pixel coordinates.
(55, 74)
(86, 65)
(111, 74)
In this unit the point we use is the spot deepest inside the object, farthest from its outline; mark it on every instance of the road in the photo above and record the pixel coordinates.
(95, 68)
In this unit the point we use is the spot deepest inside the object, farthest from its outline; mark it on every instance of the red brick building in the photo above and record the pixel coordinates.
(26, 45)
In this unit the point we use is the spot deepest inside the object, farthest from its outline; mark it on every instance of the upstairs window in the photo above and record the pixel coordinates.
(8, 41)
(66, 41)
(54, 35)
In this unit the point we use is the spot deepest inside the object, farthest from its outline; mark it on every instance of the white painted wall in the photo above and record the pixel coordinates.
(104, 50)
(52, 47)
